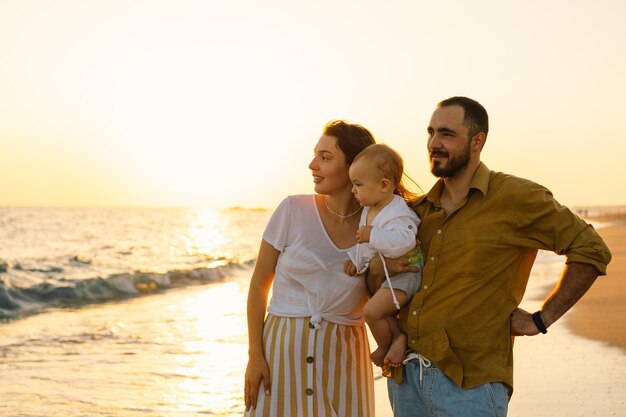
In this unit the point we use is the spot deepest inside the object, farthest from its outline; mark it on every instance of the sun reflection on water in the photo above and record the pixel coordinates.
(214, 351)
(207, 235)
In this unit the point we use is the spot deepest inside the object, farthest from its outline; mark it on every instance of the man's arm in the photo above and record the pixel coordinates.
(376, 272)
(375, 275)
(577, 278)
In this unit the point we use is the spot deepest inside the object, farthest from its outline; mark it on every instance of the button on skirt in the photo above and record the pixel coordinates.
(316, 373)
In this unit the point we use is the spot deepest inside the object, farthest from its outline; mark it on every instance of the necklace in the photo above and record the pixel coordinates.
(341, 216)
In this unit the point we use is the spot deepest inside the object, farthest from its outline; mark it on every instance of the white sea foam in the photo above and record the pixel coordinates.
(58, 257)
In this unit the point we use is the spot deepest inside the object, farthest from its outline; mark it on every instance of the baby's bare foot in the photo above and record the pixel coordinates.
(395, 355)
(378, 356)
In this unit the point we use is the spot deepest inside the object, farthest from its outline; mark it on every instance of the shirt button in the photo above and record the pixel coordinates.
(425, 287)
(309, 391)
(414, 312)
(432, 258)
(309, 359)
(412, 342)
(439, 231)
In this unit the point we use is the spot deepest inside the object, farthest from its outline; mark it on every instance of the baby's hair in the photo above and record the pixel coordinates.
(390, 165)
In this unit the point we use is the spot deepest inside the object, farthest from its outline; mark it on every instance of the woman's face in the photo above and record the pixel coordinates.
(329, 167)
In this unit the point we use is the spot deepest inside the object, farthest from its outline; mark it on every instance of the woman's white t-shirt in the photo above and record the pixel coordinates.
(310, 280)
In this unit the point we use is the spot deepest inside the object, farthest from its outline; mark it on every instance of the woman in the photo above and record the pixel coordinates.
(310, 357)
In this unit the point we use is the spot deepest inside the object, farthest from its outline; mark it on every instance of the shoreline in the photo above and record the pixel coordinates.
(601, 313)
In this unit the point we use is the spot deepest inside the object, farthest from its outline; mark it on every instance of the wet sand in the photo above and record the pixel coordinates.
(601, 313)
(579, 367)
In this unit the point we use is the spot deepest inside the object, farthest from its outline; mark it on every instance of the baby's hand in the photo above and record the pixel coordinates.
(363, 234)
(350, 269)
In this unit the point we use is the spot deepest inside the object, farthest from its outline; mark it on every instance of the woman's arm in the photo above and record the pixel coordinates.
(262, 279)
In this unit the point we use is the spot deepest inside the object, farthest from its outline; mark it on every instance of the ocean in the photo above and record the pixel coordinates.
(126, 312)
(75, 257)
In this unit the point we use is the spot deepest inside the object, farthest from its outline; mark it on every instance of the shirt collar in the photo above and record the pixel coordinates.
(481, 179)
(479, 182)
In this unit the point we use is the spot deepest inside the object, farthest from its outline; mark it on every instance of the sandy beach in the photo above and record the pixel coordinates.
(579, 368)
(601, 313)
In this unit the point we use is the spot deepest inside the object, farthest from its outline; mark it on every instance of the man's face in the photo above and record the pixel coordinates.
(448, 142)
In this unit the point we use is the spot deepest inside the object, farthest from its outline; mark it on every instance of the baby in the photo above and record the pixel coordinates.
(388, 227)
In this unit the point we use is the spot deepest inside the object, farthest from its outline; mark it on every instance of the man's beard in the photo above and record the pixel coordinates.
(455, 165)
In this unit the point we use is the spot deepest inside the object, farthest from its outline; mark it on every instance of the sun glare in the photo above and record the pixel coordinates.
(212, 103)
(214, 312)
(207, 235)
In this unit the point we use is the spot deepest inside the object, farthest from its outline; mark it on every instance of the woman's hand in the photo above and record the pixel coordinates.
(350, 269)
(257, 372)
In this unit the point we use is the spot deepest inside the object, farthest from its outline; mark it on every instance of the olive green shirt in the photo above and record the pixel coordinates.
(478, 260)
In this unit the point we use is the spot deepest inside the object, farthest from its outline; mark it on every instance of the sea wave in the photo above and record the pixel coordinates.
(16, 302)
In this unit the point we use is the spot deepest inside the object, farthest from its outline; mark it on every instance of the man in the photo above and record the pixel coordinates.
(480, 233)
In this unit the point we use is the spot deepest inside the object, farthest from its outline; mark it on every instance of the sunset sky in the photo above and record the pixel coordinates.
(219, 103)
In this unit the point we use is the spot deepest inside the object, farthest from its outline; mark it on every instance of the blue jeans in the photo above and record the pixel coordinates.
(437, 396)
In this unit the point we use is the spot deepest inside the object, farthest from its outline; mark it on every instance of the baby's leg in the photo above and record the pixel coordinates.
(376, 312)
(396, 352)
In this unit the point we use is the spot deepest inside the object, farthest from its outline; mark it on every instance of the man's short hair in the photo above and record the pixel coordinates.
(475, 119)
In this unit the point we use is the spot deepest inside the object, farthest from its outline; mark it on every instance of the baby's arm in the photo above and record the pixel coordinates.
(395, 238)
(363, 234)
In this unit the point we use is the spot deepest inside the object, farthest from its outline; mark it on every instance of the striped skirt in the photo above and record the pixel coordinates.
(316, 373)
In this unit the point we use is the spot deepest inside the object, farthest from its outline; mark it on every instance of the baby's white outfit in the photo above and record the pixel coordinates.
(393, 234)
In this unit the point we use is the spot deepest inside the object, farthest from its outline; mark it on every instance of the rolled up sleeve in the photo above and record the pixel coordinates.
(545, 224)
